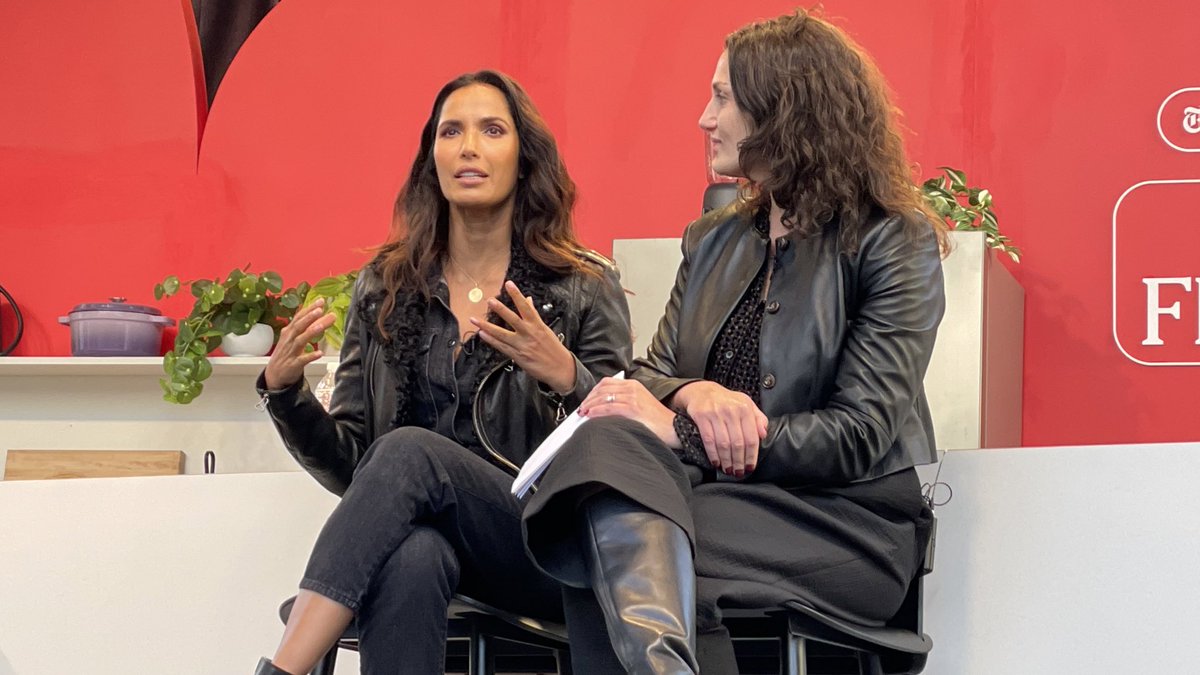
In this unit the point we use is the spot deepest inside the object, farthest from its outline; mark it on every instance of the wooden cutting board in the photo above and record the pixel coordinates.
(43, 464)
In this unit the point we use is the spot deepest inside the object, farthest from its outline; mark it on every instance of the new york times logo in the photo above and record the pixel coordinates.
(1191, 120)
(1179, 120)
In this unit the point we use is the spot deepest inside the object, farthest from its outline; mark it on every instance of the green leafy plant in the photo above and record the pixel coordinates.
(336, 290)
(966, 208)
(230, 306)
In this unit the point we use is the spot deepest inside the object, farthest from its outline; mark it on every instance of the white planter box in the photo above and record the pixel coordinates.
(974, 378)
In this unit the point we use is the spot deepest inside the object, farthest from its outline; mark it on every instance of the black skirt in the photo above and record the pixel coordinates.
(848, 550)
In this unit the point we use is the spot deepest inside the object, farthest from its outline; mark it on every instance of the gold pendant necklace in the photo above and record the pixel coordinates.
(476, 293)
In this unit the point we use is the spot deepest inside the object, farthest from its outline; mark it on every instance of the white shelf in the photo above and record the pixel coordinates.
(108, 366)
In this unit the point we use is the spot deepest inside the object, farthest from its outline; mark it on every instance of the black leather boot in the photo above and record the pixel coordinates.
(641, 570)
(265, 667)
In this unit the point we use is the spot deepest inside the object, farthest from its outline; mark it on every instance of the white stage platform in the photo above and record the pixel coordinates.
(1050, 561)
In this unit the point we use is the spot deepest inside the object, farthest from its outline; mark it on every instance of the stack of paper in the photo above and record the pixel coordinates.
(540, 459)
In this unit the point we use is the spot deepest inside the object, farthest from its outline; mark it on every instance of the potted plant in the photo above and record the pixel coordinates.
(966, 208)
(336, 291)
(232, 307)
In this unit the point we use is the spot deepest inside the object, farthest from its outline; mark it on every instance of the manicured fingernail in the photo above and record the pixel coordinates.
(738, 474)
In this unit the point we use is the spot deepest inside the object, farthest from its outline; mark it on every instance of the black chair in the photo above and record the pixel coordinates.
(896, 648)
(899, 647)
(479, 637)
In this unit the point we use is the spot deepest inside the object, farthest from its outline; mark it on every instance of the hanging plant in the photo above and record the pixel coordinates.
(232, 306)
(966, 208)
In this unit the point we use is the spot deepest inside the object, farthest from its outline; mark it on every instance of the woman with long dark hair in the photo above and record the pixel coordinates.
(470, 333)
(763, 450)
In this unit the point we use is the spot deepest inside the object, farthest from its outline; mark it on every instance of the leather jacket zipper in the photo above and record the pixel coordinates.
(477, 414)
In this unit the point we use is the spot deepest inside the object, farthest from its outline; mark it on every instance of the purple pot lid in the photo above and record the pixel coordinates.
(116, 305)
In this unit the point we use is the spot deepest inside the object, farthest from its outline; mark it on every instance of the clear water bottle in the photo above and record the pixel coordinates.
(324, 388)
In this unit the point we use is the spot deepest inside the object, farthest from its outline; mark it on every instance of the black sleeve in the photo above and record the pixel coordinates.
(692, 446)
(327, 444)
(603, 346)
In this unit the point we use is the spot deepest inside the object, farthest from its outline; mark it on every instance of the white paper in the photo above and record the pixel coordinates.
(533, 467)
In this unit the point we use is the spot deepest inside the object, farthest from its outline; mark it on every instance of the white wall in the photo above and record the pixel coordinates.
(1067, 560)
(1050, 561)
(179, 574)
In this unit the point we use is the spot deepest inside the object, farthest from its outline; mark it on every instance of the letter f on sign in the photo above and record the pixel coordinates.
(1153, 310)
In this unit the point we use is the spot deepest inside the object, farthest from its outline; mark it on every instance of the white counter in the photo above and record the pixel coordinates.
(113, 403)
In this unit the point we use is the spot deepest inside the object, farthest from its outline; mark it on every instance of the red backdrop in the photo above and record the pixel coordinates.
(112, 174)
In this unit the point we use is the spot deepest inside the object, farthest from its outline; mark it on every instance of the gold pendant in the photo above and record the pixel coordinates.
(475, 294)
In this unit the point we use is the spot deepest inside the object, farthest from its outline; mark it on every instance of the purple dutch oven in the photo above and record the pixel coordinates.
(115, 328)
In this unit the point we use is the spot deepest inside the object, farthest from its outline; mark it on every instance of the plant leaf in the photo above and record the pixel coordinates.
(215, 294)
(273, 280)
(203, 369)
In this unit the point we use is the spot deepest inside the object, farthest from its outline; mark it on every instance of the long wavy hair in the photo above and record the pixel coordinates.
(824, 135)
(545, 195)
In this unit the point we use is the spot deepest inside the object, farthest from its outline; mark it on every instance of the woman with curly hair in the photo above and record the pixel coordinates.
(469, 334)
(762, 451)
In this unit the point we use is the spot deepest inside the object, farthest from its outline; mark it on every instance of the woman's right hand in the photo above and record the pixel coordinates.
(729, 422)
(287, 362)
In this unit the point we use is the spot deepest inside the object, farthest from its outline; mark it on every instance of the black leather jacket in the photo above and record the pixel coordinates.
(845, 344)
(512, 412)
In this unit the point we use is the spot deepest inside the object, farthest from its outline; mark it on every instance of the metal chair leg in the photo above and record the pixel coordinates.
(563, 658)
(326, 665)
(479, 656)
(793, 660)
(869, 664)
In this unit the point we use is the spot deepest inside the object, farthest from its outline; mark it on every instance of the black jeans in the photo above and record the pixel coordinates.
(424, 518)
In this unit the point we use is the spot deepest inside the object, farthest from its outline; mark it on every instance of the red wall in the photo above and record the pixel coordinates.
(107, 184)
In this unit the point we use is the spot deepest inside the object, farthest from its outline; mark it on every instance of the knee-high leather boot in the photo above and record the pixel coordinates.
(642, 573)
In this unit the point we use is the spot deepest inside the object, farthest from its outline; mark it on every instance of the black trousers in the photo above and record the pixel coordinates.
(424, 518)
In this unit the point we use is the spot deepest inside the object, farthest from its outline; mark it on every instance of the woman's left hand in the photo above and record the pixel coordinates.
(630, 398)
(530, 344)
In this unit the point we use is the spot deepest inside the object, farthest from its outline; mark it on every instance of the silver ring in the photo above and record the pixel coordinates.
(610, 398)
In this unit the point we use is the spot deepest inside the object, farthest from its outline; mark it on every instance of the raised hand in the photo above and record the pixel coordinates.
(286, 365)
(530, 344)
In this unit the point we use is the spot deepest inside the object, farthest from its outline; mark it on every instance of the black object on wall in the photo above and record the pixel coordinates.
(5, 350)
(223, 26)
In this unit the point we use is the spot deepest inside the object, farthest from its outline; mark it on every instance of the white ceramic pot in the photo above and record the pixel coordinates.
(255, 343)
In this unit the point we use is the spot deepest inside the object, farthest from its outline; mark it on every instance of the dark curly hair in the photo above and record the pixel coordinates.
(823, 132)
(545, 195)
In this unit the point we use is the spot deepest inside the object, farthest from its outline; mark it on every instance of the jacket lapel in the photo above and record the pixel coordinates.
(718, 278)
